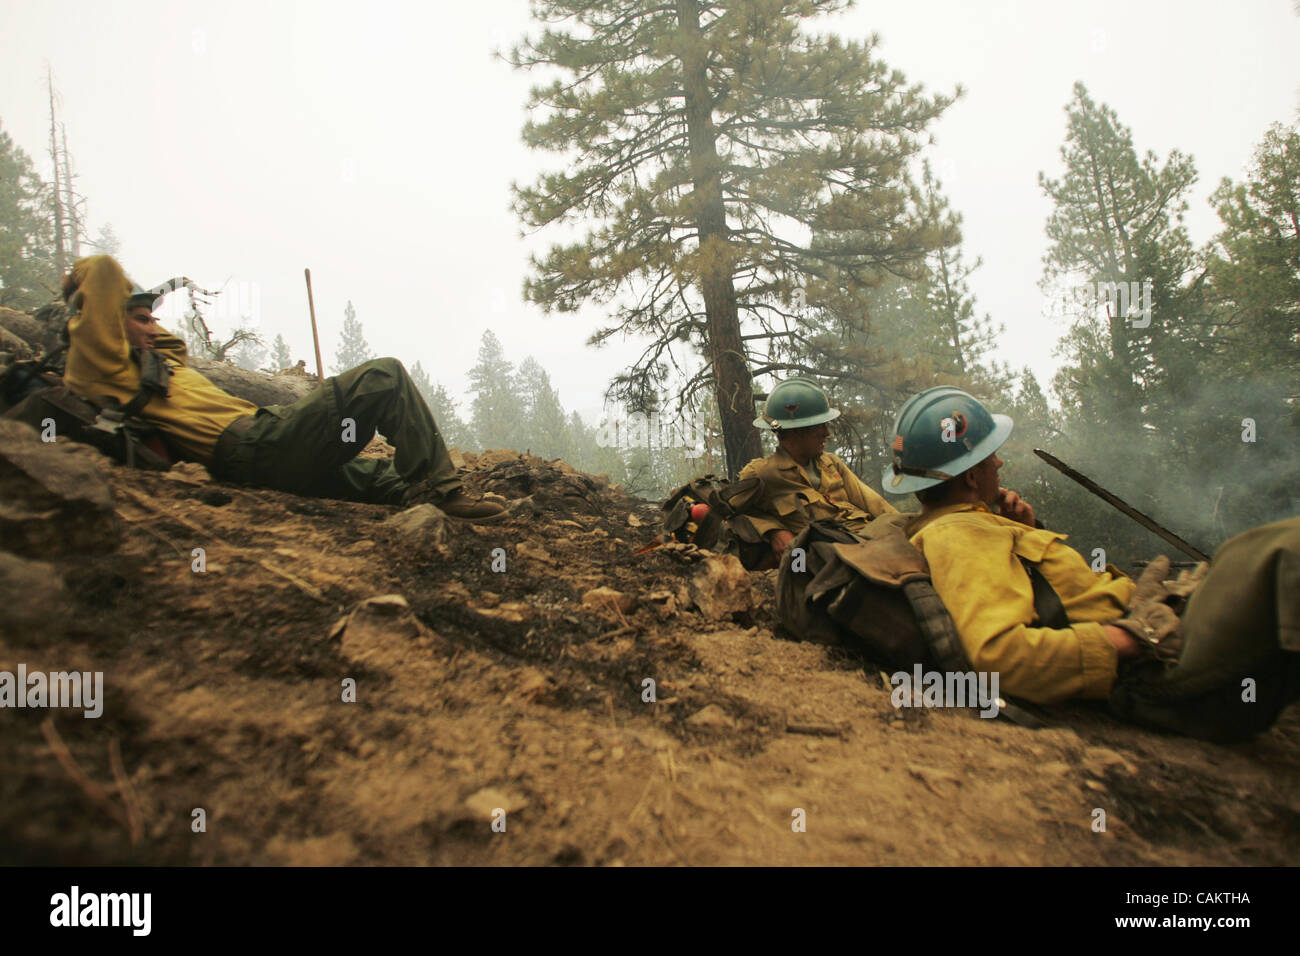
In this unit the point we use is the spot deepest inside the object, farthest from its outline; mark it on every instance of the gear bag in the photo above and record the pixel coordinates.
(118, 435)
(721, 525)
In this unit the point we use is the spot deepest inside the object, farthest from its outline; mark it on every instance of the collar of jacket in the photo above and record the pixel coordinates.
(785, 462)
(1030, 543)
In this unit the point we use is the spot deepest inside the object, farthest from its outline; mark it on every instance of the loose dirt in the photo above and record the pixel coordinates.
(487, 696)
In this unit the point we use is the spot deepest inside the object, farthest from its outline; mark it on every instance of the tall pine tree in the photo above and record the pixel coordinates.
(711, 136)
(496, 413)
(353, 349)
(28, 276)
(280, 357)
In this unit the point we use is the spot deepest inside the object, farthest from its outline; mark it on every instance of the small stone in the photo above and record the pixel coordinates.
(537, 553)
(188, 472)
(710, 716)
(482, 804)
(721, 588)
(385, 604)
(606, 597)
(424, 526)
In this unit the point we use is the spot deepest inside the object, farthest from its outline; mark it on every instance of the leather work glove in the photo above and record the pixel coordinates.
(1150, 619)
(1180, 590)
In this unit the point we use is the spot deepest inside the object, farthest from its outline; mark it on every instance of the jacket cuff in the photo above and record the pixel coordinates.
(1100, 660)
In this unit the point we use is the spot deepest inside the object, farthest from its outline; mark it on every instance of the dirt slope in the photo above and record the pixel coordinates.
(489, 689)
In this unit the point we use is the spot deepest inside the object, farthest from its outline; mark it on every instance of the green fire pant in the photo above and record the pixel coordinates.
(1240, 665)
(310, 447)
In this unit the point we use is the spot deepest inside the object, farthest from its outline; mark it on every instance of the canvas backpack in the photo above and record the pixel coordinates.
(725, 527)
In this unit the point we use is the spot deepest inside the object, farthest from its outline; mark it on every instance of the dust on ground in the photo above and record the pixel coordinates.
(479, 691)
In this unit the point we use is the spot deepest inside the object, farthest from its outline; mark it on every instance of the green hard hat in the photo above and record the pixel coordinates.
(940, 433)
(140, 296)
(796, 403)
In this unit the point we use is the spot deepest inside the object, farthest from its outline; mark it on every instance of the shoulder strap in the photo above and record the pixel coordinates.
(1047, 603)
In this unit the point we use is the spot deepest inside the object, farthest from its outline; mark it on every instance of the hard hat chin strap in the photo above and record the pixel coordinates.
(901, 469)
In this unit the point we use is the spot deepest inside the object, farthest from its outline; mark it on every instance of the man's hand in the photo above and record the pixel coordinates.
(1011, 505)
(780, 540)
(1124, 642)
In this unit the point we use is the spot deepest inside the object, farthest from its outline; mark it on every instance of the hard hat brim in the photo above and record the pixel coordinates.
(909, 484)
(827, 416)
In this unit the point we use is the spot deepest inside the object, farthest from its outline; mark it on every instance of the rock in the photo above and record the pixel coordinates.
(375, 620)
(483, 804)
(53, 498)
(538, 553)
(710, 716)
(424, 527)
(31, 593)
(534, 686)
(188, 472)
(664, 603)
(256, 387)
(605, 597)
(36, 334)
(721, 587)
(1098, 760)
(516, 612)
(14, 345)
(385, 604)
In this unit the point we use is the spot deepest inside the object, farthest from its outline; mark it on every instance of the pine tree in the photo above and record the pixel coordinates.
(1117, 219)
(545, 423)
(1255, 259)
(352, 350)
(496, 412)
(280, 357)
(453, 430)
(711, 136)
(28, 276)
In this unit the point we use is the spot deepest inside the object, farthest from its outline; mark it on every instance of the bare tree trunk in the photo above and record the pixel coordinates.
(733, 384)
(60, 255)
(75, 225)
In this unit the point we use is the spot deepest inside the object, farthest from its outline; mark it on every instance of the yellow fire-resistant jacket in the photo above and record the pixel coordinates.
(194, 412)
(790, 501)
(974, 557)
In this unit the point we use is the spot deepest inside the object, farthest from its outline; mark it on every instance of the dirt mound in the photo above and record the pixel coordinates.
(292, 680)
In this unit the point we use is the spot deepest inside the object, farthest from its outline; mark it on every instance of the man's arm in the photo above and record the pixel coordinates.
(985, 588)
(777, 517)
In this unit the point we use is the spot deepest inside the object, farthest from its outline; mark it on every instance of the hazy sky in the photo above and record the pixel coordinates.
(376, 143)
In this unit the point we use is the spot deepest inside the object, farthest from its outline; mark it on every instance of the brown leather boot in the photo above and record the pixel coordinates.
(462, 506)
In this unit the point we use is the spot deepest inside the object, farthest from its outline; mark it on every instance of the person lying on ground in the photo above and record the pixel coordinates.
(118, 353)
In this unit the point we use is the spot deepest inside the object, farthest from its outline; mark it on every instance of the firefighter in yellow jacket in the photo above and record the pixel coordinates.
(803, 482)
(984, 544)
(118, 353)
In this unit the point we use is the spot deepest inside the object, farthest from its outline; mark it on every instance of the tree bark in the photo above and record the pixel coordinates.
(733, 385)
